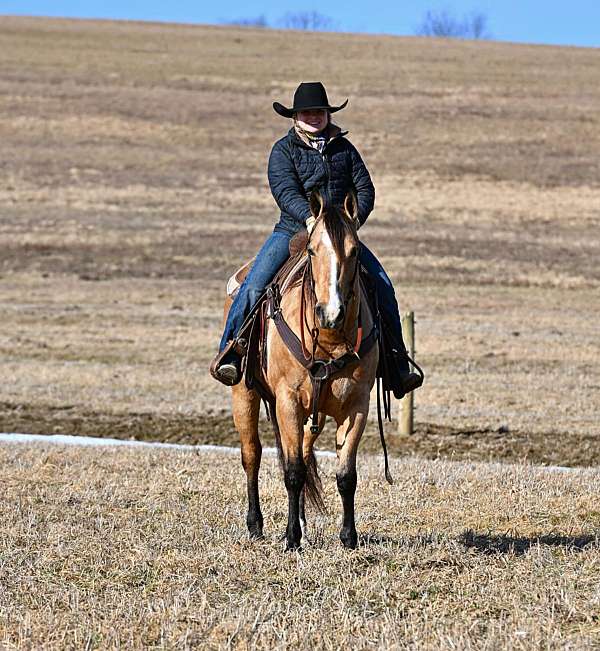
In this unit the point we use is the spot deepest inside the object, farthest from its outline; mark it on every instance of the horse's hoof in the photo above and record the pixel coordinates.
(349, 539)
(293, 543)
(256, 534)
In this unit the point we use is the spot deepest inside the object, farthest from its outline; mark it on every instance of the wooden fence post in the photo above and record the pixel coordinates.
(406, 413)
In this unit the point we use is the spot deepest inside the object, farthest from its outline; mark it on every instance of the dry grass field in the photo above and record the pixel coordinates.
(112, 548)
(133, 164)
(133, 167)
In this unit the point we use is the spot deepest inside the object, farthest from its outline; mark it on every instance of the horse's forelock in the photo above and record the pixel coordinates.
(338, 228)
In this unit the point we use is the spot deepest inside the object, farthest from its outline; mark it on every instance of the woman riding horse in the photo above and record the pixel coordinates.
(314, 154)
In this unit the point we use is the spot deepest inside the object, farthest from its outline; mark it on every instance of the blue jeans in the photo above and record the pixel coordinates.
(274, 252)
(387, 303)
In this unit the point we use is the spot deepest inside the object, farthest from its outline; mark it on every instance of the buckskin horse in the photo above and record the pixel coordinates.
(319, 359)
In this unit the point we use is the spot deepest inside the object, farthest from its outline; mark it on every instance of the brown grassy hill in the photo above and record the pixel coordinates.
(133, 167)
(137, 549)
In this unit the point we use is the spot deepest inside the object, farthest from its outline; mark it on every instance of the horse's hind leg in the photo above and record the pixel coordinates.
(347, 439)
(246, 407)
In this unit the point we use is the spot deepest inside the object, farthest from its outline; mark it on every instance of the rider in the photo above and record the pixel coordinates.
(314, 154)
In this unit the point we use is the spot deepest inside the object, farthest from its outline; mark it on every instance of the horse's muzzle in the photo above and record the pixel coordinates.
(328, 321)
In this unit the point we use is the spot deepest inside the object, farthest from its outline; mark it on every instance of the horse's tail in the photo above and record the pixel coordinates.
(313, 487)
(275, 424)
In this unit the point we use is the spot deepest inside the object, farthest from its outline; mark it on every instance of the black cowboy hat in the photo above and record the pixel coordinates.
(308, 95)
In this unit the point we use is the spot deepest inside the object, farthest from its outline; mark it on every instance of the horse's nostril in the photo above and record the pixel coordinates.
(326, 320)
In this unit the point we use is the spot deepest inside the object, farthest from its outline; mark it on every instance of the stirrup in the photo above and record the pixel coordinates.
(228, 373)
(404, 384)
(407, 384)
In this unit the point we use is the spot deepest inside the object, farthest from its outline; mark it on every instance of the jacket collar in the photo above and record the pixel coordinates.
(333, 131)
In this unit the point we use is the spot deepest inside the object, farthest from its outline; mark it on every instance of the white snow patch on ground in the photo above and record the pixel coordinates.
(63, 439)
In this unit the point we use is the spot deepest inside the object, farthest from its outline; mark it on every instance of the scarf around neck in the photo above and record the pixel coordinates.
(316, 140)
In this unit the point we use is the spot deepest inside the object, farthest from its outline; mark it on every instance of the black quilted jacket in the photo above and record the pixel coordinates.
(296, 168)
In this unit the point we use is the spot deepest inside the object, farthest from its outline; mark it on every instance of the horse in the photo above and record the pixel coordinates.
(330, 306)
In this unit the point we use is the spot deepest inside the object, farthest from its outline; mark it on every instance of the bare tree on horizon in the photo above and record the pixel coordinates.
(444, 24)
(257, 21)
(308, 20)
(305, 20)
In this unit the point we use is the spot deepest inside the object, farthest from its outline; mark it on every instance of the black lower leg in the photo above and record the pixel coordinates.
(254, 519)
(346, 482)
(295, 476)
(251, 456)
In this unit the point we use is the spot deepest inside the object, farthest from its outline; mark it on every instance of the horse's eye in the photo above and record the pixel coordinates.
(310, 251)
(353, 252)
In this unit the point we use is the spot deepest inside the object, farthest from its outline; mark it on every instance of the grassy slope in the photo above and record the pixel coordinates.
(137, 549)
(122, 190)
(134, 164)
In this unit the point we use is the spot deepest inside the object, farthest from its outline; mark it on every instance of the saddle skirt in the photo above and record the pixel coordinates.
(236, 280)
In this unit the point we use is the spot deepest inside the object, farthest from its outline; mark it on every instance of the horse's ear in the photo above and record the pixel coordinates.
(315, 202)
(351, 206)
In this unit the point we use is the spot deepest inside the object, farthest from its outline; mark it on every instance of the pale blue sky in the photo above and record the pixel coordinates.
(534, 21)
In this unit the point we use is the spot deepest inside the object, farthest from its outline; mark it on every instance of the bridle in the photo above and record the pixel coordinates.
(308, 290)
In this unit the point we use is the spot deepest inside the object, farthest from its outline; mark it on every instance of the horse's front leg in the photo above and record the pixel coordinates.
(290, 421)
(348, 437)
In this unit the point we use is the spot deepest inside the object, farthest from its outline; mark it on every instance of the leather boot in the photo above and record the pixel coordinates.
(404, 380)
(226, 367)
(406, 384)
